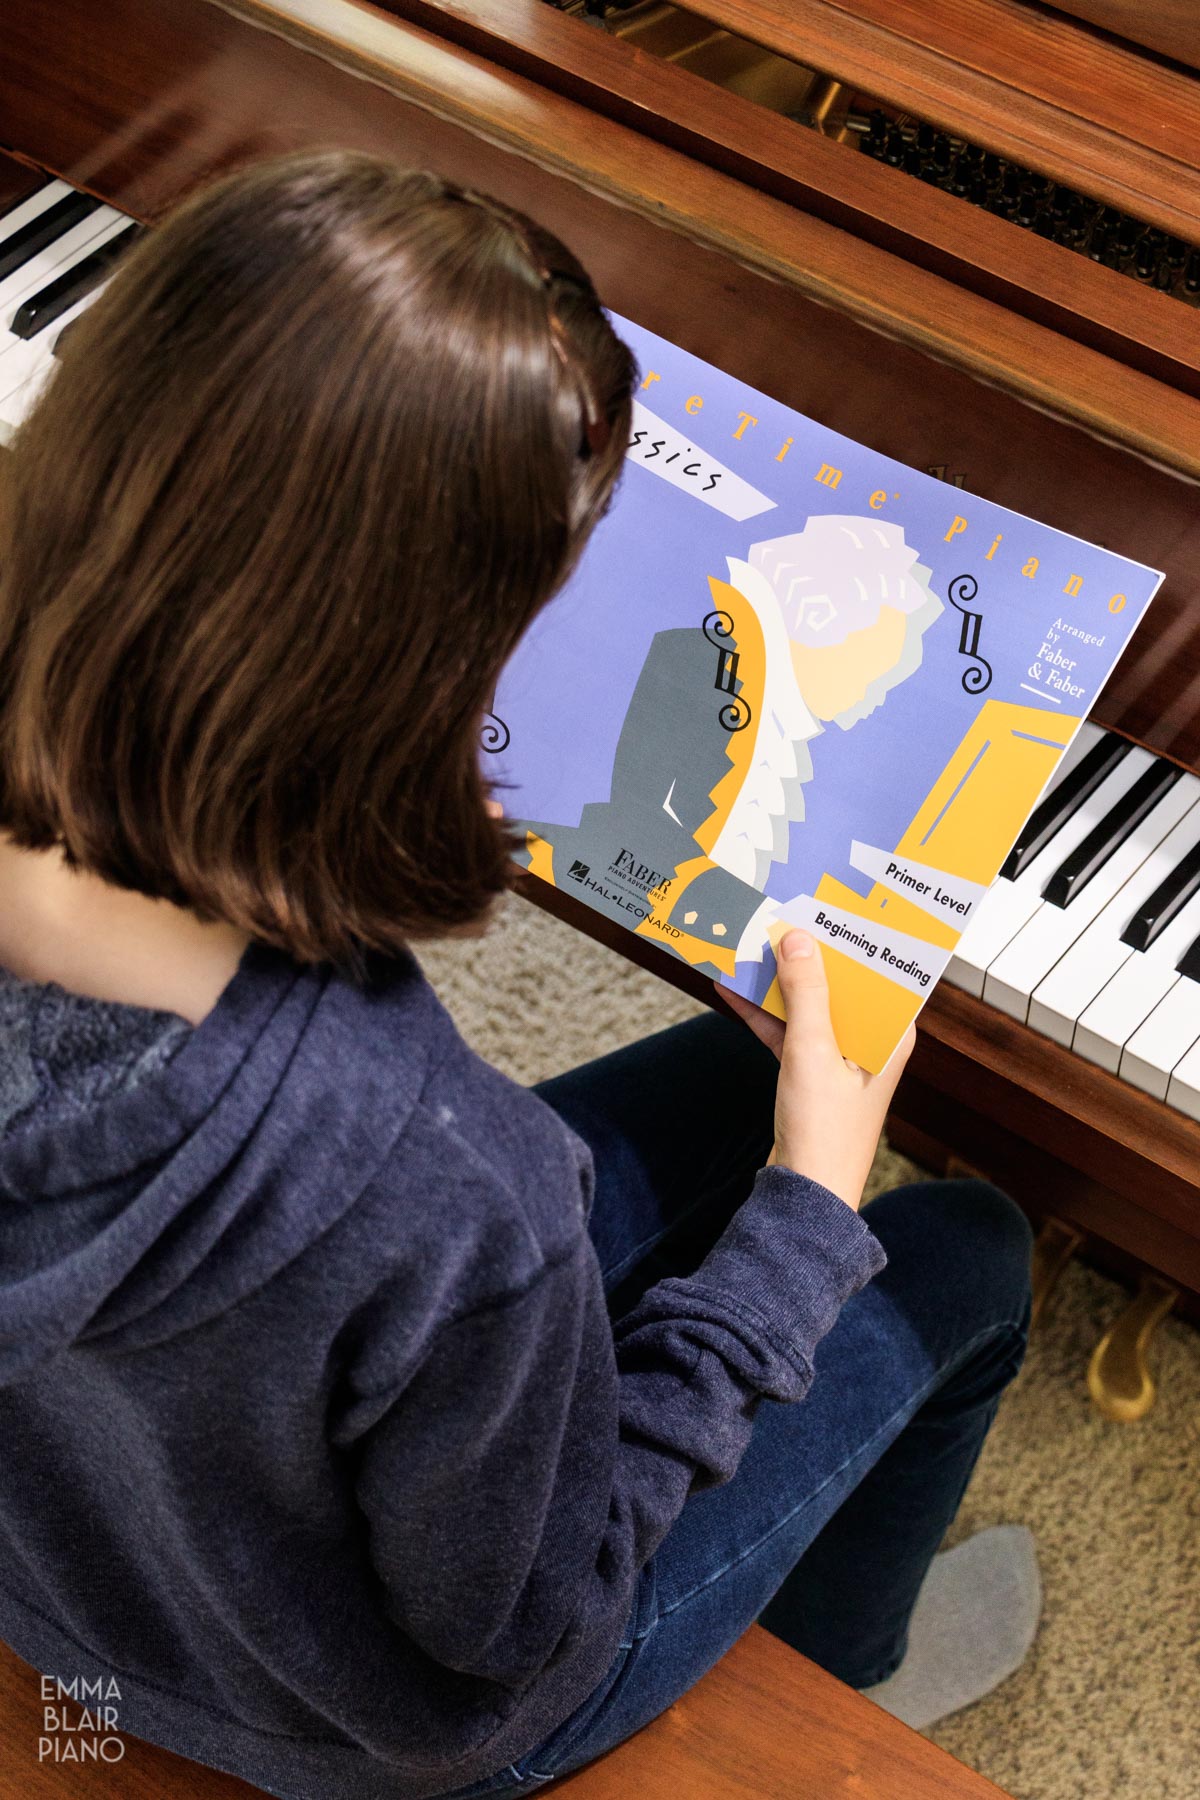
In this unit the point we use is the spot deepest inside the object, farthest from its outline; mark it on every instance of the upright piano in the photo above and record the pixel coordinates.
(965, 234)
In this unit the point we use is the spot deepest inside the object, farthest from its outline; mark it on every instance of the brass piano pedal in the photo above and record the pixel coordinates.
(1053, 1248)
(1118, 1377)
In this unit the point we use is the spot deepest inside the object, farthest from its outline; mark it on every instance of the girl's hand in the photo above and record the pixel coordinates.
(828, 1112)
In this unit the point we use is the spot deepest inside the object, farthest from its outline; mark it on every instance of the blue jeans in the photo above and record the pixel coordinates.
(826, 1531)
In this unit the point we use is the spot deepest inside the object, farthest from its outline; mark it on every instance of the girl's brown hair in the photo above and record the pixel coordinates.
(310, 466)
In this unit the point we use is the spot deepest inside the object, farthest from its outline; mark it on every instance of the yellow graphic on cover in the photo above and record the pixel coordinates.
(964, 827)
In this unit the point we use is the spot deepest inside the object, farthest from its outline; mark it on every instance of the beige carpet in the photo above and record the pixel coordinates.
(1108, 1704)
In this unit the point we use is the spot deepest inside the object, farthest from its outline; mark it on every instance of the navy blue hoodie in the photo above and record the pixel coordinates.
(314, 1431)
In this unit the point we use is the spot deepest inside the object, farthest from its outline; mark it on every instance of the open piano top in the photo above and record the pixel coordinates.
(860, 260)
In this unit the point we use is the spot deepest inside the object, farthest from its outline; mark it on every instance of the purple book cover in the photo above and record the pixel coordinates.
(795, 682)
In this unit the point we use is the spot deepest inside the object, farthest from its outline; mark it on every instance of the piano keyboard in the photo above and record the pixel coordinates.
(57, 249)
(1091, 934)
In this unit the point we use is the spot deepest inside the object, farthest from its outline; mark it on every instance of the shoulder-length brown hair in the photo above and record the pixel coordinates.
(310, 466)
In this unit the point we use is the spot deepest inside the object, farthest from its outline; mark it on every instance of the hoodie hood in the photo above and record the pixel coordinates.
(148, 1168)
(62, 1052)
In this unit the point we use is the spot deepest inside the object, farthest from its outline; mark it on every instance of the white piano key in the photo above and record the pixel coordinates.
(91, 232)
(1163, 1040)
(1134, 991)
(26, 363)
(15, 408)
(1049, 934)
(1095, 957)
(23, 375)
(1183, 1090)
(1009, 905)
(33, 207)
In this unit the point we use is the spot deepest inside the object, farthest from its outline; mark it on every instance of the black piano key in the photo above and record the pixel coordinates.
(1156, 913)
(58, 296)
(1070, 879)
(1066, 798)
(21, 245)
(1189, 962)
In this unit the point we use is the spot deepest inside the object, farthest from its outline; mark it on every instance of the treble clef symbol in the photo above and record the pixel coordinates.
(735, 714)
(961, 592)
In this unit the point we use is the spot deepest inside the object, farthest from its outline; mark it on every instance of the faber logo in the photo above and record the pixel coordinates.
(651, 881)
(92, 1737)
(578, 871)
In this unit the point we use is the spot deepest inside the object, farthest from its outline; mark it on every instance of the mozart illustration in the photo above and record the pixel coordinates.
(789, 685)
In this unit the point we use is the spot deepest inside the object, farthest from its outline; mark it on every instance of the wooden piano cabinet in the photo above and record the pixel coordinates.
(1005, 74)
(1172, 27)
(1064, 1138)
(1090, 1221)
(831, 180)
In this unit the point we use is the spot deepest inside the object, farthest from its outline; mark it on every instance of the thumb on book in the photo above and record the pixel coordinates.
(803, 983)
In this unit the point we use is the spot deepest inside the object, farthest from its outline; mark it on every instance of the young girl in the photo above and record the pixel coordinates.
(349, 1424)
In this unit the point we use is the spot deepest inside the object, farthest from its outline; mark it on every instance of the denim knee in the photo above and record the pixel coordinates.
(972, 1242)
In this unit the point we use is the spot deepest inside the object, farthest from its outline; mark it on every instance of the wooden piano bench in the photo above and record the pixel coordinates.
(765, 1724)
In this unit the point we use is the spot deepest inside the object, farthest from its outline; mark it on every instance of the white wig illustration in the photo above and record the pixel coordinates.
(833, 579)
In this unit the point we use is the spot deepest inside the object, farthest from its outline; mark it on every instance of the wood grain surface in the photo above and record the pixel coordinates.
(1172, 27)
(833, 181)
(764, 1723)
(36, 1764)
(767, 1725)
(1009, 76)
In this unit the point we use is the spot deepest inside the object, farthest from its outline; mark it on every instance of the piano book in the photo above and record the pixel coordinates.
(795, 682)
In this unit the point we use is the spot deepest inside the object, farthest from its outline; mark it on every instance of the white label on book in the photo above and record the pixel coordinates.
(948, 897)
(908, 961)
(663, 450)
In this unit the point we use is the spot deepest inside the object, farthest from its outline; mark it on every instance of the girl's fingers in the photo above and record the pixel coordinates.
(802, 982)
(766, 1027)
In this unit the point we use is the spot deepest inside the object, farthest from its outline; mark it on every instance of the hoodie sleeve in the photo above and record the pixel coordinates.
(540, 1454)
